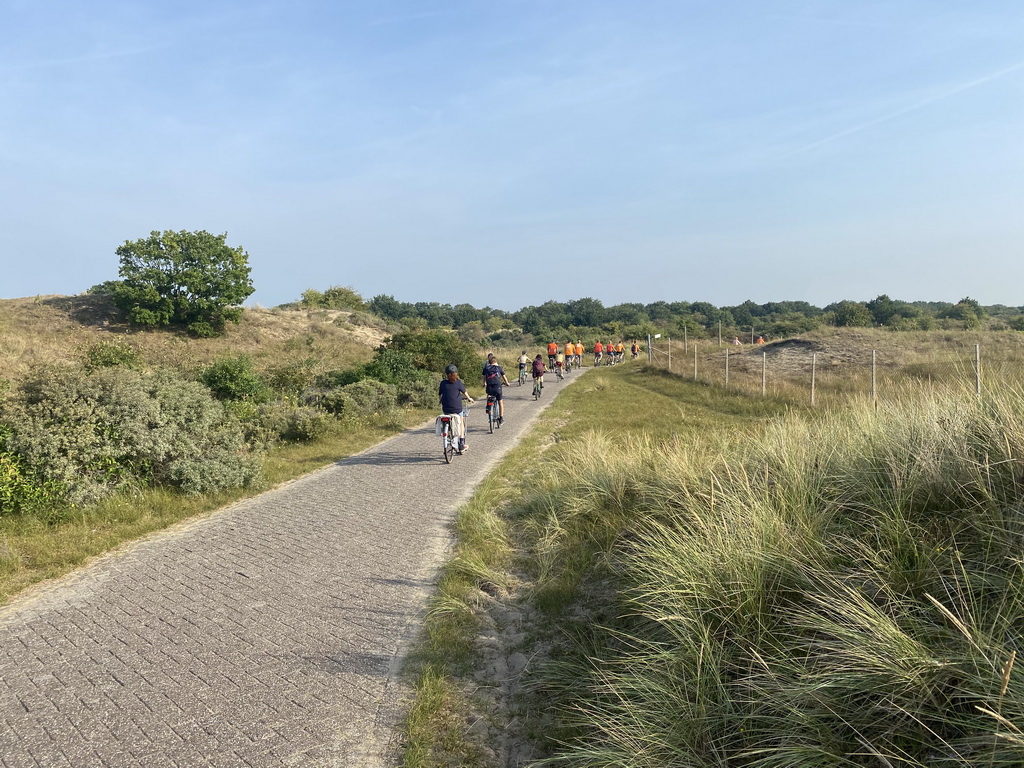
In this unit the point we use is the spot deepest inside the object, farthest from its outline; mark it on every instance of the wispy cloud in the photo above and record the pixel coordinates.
(948, 93)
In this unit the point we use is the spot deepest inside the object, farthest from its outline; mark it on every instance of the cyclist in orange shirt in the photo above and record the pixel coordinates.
(552, 351)
(578, 354)
(620, 350)
(598, 351)
(570, 351)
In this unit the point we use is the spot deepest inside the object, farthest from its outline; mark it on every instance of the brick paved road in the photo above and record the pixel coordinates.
(267, 634)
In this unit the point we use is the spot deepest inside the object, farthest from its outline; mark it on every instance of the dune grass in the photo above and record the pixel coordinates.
(743, 583)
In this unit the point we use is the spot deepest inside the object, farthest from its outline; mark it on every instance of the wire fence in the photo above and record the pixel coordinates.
(815, 373)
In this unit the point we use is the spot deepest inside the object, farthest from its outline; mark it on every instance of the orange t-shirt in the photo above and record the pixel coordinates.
(552, 348)
(579, 349)
(570, 349)
(619, 347)
(599, 347)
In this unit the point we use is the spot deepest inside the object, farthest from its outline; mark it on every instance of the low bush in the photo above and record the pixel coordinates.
(92, 433)
(370, 396)
(112, 354)
(279, 421)
(234, 378)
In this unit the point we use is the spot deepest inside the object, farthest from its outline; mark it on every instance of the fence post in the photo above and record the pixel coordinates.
(764, 374)
(814, 364)
(719, 333)
(727, 368)
(685, 345)
(650, 354)
(874, 382)
(695, 361)
(977, 370)
(670, 355)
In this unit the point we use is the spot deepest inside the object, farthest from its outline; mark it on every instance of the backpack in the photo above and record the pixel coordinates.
(492, 377)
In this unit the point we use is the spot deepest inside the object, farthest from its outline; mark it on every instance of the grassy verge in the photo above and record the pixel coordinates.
(32, 550)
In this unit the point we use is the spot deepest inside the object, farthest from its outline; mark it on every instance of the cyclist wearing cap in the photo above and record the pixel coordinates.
(493, 379)
(451, 393)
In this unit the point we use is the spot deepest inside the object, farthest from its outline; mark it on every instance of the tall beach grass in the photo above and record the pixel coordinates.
(838, 591)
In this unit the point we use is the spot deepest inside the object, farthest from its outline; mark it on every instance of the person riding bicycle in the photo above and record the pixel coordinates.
(598, 351)
(538, 370)
(552, 351)
(494, 377)
(524, 360)
(452, 392)
(570, 352)
(578, 354)
(634, 350)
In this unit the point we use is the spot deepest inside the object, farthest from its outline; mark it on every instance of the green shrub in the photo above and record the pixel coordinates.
(91, 433)
(333, 379)
(112, 354)
(233, 378)
(420, 392)
(338, 402)
(291, 423)
(370, 396)
(433, 350)
(292, 379)
(20, 492)
(391, 366)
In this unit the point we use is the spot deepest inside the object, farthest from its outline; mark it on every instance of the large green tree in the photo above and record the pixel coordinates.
(193, 279)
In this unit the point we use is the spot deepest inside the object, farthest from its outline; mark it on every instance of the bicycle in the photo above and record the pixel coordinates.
(449, 440)
(538, 386)
(493, 414)
(558, 371)
(522, 374)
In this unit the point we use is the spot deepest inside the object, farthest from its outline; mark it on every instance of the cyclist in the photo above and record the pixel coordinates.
(493, 378)
(524, 360)
(559, 363)
(620, 352)
(538, 370)
(598, 351)
(570, 352)
(634, 350)
(552, 351)
(578, 354)
(451, 393)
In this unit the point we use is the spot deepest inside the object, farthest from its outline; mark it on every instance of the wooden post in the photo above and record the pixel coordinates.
(814, 363)
(764, 374)
(650, 354)
(695, 361)
(726, 368)
(670, 355)
(719, 333)
(685, 346)
(751, 334)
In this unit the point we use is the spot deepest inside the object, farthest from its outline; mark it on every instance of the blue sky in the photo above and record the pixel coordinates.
(507, 153)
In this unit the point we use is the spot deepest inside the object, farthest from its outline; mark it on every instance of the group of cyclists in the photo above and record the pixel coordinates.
(560, 359)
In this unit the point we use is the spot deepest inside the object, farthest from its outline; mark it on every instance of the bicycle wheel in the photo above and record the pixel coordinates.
(491, 417)
(449, 446)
